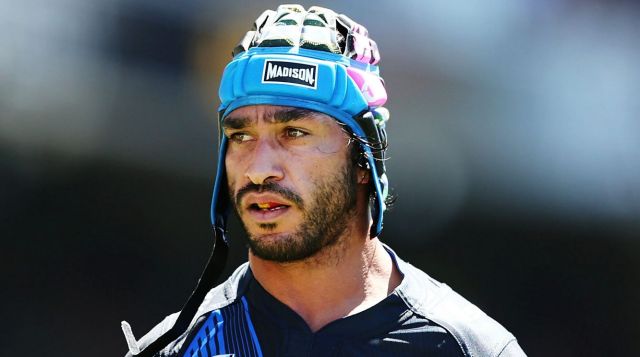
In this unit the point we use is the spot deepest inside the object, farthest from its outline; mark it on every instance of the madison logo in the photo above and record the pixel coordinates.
(295, 73)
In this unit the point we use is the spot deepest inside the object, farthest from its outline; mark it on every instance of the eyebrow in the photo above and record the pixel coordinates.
(278, 116)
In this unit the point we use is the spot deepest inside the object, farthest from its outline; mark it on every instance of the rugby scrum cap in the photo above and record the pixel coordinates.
(316, 60)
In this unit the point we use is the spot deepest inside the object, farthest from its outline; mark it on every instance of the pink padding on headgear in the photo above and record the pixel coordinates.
(362, 47)
(370, 85)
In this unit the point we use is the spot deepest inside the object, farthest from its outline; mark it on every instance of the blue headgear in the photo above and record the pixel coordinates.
(315, 60)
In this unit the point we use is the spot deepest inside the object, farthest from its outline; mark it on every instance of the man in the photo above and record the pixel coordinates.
(302, 162)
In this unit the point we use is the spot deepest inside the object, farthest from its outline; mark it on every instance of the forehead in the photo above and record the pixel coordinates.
(253, 114)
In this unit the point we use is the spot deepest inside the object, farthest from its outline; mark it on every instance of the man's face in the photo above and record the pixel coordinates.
(290, 178)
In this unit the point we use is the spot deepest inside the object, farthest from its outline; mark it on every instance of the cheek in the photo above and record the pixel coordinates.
(313, 171)
(232, 168)
(321, 152)
(330, 148)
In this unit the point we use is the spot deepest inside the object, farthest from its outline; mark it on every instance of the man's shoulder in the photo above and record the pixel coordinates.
(476, 332)
(220, 296)
(227, 292)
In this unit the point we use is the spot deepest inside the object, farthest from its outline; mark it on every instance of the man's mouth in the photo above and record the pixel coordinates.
(267, 206)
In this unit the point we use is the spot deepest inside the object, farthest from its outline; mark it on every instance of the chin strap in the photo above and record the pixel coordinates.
(373, 124)
(209, 276)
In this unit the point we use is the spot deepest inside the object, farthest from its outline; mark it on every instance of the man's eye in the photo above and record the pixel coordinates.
(295, 133)
(239, 137)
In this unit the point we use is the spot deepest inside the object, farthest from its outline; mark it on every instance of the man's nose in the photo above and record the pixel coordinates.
(266, 163)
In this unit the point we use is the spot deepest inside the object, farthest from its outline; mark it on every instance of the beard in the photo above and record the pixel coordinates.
(324, 219)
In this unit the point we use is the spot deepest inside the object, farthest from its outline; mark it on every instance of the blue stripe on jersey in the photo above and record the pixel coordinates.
(226, 331)
(254, 337)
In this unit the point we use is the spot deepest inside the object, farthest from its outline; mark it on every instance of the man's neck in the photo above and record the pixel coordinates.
(341, 280)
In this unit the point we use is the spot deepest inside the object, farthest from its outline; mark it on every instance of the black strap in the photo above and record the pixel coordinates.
(209, 276)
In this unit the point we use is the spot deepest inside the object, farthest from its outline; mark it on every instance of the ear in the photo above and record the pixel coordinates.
(363, 176)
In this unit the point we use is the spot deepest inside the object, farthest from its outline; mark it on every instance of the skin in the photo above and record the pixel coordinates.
(298, 165)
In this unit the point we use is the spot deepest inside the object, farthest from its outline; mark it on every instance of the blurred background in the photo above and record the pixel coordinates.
(514, 145)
